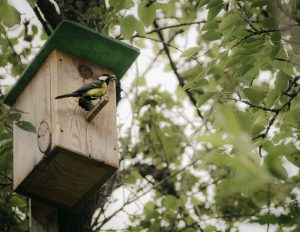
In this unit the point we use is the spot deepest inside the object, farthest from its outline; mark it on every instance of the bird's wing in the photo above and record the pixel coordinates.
(89, 87)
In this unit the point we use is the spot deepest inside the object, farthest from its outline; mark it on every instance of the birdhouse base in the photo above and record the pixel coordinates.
(65, 178)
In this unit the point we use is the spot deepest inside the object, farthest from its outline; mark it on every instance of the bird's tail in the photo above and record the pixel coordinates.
(67, 95)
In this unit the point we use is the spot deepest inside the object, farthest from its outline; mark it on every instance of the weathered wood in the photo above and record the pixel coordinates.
(69, 125)
(44, 218)
(35, 102)
(97, 108)
(106, 148)
(65, 178)
(82, 154)
(44, 137)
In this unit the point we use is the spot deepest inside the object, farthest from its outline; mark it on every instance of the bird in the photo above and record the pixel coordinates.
(91, 91)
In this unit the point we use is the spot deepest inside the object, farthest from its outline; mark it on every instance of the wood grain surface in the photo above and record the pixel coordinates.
(83, 154)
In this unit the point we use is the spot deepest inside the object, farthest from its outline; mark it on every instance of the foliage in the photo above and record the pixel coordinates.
(14, 208)
(235, 159)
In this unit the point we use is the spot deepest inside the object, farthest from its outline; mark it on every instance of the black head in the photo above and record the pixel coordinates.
(106, 77)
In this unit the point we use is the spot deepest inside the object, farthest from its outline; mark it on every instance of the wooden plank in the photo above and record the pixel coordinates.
(69, 125)
(65, 179)
(35, 102)
(68, 120)
(102, 131)
(97, 108)
(44, 218)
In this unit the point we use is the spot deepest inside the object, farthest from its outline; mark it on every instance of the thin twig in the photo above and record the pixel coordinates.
(261, 32)
(263, 135)
(287, 13)
(245, 16)
(174, 68)
(145, 192)
(43, 22)
(254, 106)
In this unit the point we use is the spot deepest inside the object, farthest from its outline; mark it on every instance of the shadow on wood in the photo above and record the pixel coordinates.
(97, 108)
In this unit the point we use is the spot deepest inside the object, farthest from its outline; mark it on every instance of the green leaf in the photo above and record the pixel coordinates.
(276, 38)
(214, 3)
(9, 16)
(18, 201)
(171, 202)
(274, 165)
(139, 27)
(195, 201)
(13, 116)
(210, 228)
(282, 62)
(261, 197)
(210, 25)
(149, 208)
(259, 3)
(132, 177)
(227, 119)
(44, 36)
(282, 81)
(265, 219)
(192, 85)
(204, 98)
(121, 5)
(27, 126)
(202, 3)
(214, 139)
(214, 11)
(190, 52)
(34, 29)
(147, 13)
(269, 23)
(211, 36)
(229, 21)
(130, 24)
(292, 154)
(271, 98)
(254, 94)
(245, 121)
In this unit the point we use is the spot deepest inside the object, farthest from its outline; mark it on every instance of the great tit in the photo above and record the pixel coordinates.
(91, 91)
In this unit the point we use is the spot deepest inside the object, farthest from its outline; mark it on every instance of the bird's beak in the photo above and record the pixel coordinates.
(113, 77)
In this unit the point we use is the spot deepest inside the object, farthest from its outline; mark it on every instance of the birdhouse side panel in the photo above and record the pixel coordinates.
(35, 102)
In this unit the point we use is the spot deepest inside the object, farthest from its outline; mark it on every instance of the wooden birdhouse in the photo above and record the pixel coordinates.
(74, 151)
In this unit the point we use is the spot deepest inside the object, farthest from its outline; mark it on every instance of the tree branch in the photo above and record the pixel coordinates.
(49, 12)
(43, 22)
(145, 192)
(174, 68)
(287, 13)
(263, 135)
(254, 106)
(261, 32)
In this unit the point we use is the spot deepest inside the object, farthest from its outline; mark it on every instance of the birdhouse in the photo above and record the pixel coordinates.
(74, 151)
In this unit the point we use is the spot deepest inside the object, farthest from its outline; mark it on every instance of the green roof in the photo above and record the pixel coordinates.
(84, 43)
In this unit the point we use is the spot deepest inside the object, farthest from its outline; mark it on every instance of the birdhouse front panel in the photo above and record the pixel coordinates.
(96, 138)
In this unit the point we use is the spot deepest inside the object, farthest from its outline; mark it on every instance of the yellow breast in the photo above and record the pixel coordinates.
(97, 92)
